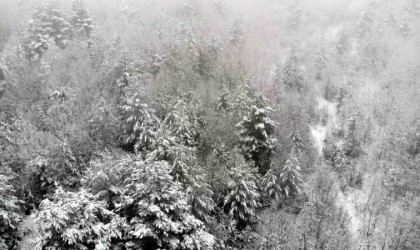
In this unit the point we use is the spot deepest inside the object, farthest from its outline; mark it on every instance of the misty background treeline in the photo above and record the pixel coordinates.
(209, 124)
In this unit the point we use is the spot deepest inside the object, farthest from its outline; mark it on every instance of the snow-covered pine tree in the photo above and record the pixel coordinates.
(291, 177)
(80, 19)
(270, 186)
(181, 158)
(296, 138)
(47, 24)
(167, 146)
(243, 197)
(158, 213)
(291, 77)
(76, 220)
(139, 125)
(199, 196)
(237, 33)
(223, 103)
(256, 132)
(106, 174)
(351, 145)
(9, 214)
(242, 100)
(181, 125)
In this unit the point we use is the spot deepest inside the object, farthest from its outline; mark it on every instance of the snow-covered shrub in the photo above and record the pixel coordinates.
(76, 220)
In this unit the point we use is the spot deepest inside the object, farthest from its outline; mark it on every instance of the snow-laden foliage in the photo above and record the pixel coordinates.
(224, 102)
(237, 33)
(167, 146)
(158, 213)
(242, 100)
(81, 21)
(200, 197)
(270, 186)
(182, 127)
(47, 26)
(106, 174)
(9, 214)
(256, 132)
(139, 124)
(243, 197)
(76, 220)
(291, 176)
(181, 158)
(298, 143)
(291, 76)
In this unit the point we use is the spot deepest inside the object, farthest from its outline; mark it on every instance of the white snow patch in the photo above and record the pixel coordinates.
(319, 133)
(347, 202)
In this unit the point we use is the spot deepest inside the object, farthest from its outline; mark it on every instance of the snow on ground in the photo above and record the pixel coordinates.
(319, 133)
(348, 203)
(29, 225)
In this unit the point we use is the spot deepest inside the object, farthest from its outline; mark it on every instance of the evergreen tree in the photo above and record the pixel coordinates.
(199, 197)
(158, 213)
(270, 186)
(237, 33)
(106, 175)
(182, 126)
(296, 138)
(291, 177)
(76, 221)
(139, 124)
(256, 132)
(47, 24)
(9, 214)
(165, 147)
(80, 19)
(243, 196)
(223, 103)
(242, 100)
(291, 77)
(351, 145)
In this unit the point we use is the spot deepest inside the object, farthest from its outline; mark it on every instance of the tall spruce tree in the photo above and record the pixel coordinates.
(291, 176)
(81, 21)
(48, 25)
(256, 132)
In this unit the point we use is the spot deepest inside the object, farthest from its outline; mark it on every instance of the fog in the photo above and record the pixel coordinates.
(209, 124)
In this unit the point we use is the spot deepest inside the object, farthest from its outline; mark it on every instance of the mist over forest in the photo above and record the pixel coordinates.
(209, 124)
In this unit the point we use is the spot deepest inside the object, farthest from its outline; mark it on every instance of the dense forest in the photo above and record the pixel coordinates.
(209, 124)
